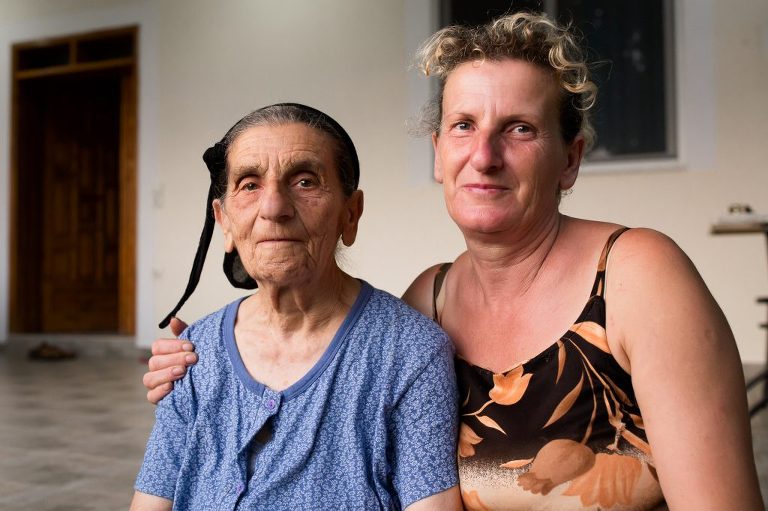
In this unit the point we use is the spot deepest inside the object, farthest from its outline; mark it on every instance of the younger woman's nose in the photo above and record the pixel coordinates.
(486, 153)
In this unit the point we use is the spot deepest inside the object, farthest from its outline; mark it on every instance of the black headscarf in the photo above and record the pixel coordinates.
(215, 158)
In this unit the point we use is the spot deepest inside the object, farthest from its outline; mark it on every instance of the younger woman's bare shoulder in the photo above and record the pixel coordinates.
(640, 249)
(587, 230)
(419, 293)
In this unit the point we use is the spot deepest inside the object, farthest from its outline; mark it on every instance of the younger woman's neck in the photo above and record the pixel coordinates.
(502, 265)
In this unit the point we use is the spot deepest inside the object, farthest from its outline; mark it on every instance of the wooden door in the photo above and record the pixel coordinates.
(73, 186)
(79, 185)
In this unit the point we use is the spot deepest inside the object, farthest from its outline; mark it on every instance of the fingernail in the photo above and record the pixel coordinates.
(190, 359)
(177, 371)
(187, 346)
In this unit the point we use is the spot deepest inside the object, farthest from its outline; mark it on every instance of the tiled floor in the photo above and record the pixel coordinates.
(73, 433)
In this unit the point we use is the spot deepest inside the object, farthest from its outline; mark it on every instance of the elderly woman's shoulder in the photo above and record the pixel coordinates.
(400, 311)
(397, 339)
(393, 313)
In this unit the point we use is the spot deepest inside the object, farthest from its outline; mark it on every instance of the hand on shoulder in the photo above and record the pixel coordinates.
(169, 361)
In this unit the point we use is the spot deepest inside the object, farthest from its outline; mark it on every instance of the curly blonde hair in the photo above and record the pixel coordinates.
(525, 36)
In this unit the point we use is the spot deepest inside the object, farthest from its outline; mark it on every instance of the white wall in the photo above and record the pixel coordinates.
(214, 61)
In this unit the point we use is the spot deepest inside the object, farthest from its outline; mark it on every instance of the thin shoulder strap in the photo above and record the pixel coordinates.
(437, 287)
(599, 286)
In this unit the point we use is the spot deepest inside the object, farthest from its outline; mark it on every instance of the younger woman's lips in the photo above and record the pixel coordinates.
(482, 187)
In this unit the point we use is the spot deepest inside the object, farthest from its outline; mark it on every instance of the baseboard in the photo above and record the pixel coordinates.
(85, 345)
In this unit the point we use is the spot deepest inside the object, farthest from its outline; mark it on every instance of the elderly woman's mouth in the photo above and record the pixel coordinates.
(278, 241)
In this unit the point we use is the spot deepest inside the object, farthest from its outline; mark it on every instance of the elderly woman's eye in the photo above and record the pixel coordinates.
(306, 182)
(250, 186)
(462, 126)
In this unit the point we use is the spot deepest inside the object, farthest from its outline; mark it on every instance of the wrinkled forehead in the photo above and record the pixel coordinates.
(280, 144)
(503, 75)
(507, 83)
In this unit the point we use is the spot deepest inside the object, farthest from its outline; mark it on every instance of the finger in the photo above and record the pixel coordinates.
(162, 362)
(167, 346)
(155, 395)
(157, 379)
(177, 326)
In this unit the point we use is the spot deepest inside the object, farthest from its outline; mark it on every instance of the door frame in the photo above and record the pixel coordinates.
(21, 319)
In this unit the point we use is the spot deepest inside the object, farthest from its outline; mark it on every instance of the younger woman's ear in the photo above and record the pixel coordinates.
(352, 213)
(223, 220)
(571, 170)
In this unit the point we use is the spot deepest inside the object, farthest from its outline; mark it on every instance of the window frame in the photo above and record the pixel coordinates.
(692, 87)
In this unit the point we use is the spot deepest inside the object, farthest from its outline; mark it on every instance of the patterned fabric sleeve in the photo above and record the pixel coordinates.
(423, 431)
(167, 442)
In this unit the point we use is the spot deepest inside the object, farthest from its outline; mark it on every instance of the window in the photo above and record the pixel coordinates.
(631, 47)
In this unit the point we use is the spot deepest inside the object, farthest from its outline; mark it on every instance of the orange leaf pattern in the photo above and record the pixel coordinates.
(561, 354)
(593, 333)
(487, 421)
(557, 462)
(472, 501)
(509, 388)
(467, 441)
(573, 434)
(566, 404)
(516, 463)
(609, 483)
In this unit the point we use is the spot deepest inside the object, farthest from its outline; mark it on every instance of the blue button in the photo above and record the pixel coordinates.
(270, 404)
(239, 487)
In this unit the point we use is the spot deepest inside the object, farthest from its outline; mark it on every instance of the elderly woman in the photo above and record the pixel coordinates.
(595, 369)
(317, 391)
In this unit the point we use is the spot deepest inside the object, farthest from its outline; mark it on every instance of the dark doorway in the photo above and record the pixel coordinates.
(72, 250)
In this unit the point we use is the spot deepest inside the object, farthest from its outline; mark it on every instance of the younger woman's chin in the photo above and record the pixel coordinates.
(485, 224)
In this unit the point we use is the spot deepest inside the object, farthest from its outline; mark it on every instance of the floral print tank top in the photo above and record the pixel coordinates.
(560, 431)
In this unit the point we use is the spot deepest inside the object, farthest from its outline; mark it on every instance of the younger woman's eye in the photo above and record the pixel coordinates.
(250, 186)
(521, 129)
(461, 126)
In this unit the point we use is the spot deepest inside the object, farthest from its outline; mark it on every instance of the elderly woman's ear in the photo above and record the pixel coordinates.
(351, 219)
(223, 220)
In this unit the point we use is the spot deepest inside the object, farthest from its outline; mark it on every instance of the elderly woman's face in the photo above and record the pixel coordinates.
(284, 209)
(499, 153)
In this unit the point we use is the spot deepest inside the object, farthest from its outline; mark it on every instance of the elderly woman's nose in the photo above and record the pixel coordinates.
(486, 153)
(276, 202)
